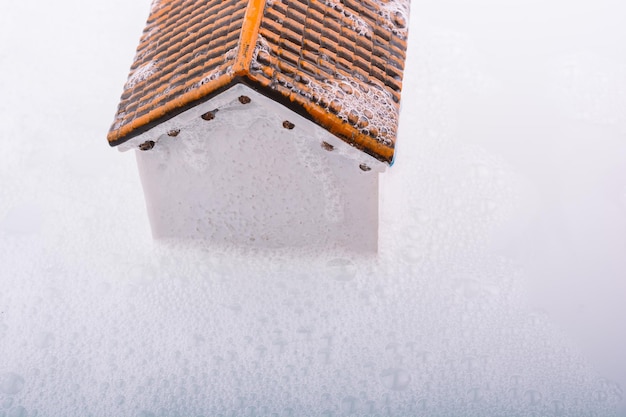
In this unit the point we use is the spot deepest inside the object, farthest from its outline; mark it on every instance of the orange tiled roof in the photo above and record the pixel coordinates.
(338, 63)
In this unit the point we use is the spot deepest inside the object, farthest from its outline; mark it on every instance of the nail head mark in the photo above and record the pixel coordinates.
(365, 168)
(147, 145)
(288, 125)
(244, 99)
(327, 146)
(173, 133)
(210, 115)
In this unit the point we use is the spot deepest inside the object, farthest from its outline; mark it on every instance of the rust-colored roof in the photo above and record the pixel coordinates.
(338, 63)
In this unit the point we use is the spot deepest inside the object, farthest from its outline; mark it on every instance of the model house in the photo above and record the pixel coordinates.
(265, 122)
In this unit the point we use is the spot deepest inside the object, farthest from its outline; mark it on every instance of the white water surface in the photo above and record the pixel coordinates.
(500, 281)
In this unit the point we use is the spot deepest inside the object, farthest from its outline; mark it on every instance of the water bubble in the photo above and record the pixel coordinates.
(335, 106)
(11, 383)
(325, 355)
(280, 344)
(349, 405)
(616, 390)
(44, 340)
(7, 403)
(533, 397)
(306, 331)
(516, 380)
(353, 118)
(346, 88)
(261, 350)
(475, 394)
(396, 379)
(399, 20)
(18, 412)
(393, 347)
(557, 408)
(600, 396)
(341, 269)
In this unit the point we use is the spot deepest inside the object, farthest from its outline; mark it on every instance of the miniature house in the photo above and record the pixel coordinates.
(265, 122)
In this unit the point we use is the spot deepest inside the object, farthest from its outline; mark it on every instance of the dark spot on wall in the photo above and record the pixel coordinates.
(327, 146)
(147, 145)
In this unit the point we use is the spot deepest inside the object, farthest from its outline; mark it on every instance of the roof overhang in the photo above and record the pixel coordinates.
(241, 106)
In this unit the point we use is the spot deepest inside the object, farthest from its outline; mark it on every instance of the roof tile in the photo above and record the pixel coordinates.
(337, 62)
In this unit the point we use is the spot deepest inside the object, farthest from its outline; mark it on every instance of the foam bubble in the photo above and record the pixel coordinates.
(11, 383)
(358, 24)
(396, 379)
(370, 108)
(141, 73)
(397, 14)
(18, 411)
(341, 269)
(435, 325)
(44, 340)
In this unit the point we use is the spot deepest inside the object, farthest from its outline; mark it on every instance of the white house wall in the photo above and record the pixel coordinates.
(258, 174)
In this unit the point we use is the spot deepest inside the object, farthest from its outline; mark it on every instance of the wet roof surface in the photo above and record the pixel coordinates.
(338, 63)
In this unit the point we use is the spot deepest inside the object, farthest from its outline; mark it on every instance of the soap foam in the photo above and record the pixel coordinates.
(141, 73)
(98, 319)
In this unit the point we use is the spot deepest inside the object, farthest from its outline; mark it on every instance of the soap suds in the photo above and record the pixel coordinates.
(97, 318)
(140, 74)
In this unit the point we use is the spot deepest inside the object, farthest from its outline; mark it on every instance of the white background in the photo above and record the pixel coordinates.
(500, 283)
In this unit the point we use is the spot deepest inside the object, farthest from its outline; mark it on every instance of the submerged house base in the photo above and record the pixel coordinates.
(243, 169)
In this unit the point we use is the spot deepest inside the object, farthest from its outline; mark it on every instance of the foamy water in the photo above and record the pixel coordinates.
(498, 285)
